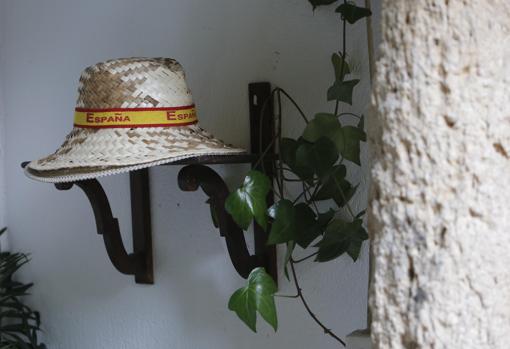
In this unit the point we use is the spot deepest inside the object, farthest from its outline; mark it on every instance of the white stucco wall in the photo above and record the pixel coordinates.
(223, 45)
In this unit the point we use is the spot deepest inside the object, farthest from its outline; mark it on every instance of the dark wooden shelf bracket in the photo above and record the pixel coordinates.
(192, 177)
(138, 263)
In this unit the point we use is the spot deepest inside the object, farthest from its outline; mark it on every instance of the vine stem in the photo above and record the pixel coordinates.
(278, 91)
(344, 49)
(308, 200)
(280, 180)
(286, 296)
(306, 258)
(294, 103)
(307, 307)
(349, 209)
(264, 153)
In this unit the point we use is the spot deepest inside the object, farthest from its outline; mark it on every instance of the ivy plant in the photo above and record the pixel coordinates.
(317, 162)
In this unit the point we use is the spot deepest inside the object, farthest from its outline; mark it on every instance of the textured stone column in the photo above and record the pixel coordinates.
(440, 198)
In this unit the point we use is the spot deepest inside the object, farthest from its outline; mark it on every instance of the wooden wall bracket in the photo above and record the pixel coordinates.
(138, 263)
(194, 175)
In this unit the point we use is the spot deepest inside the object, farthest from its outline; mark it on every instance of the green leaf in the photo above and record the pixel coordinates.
(310, 227)
(352, 13)
(320, 156)
(249, 201)
(288, 147)
(342, 237)
(342, 91)
(296, 224)
(337, 136)
(256, 296)
(322, 125)
(352, 136)
(288, 151)
(316, 3)
(347, 140)
(340, 72)
(283, 228)
(244, 305)
(336, 187)
(354, 248)
(306, 225)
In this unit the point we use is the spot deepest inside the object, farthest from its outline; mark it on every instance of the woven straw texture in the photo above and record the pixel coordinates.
(127, 83)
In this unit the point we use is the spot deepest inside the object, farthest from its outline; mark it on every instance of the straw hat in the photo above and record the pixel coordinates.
(131, 113)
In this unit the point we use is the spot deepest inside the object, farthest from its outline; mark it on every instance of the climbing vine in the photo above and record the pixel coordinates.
(317, 162)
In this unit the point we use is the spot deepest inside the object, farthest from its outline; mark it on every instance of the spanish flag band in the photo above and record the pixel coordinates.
(135, 117)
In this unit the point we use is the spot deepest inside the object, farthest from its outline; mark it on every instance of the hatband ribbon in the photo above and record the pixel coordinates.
(135, 117)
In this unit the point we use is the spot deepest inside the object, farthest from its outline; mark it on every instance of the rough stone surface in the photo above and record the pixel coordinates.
(440, 198)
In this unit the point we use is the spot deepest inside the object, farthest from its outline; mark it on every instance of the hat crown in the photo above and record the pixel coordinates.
(134, 83)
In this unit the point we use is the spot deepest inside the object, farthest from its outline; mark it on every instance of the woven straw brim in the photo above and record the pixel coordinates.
(91, 153)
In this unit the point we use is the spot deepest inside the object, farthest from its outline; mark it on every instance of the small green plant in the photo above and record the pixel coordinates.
(316, 161)
(19, 324)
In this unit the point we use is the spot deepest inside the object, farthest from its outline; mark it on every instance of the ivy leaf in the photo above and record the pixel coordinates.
(355, 246)
(310, 227)
(337, 59)
(322, 125)
(337, 136)
(316, 3)
(342, 91)
(283, 228)
(336, 187)
(256, 296)
(288, 152)
(306, 224)
(244, 305)
(296, 224)
(353, 13)
(321, 156)
(288, 147)
(347, 140)
(341, 237)
(249, 201)
(352, 136)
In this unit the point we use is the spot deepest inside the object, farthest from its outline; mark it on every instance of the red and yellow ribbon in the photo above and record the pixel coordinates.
(135, 117)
